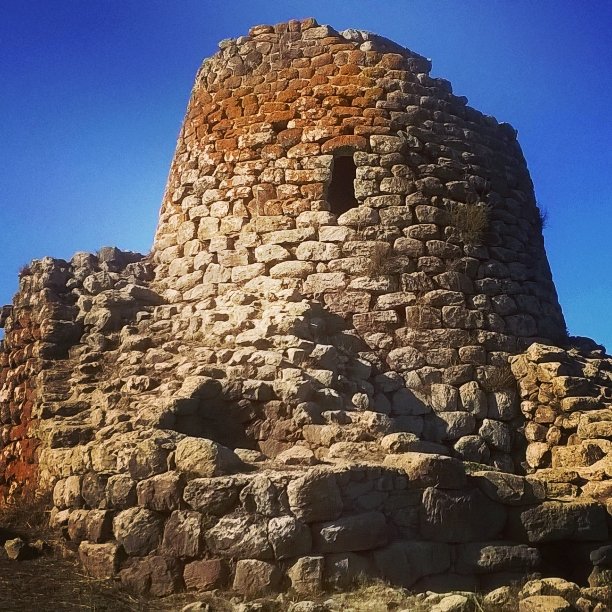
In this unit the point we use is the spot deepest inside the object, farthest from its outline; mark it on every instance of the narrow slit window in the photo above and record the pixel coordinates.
(341, 191)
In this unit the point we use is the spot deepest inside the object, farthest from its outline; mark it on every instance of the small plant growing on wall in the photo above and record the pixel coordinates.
(24, 271)
(471, 220)
(542, 218)
(499, 378)
(380, 262)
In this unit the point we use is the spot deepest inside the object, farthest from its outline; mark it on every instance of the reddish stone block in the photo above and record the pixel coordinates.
(155, 575)
(206, 574)
(339, 143)
(99, 560)
(254, 578)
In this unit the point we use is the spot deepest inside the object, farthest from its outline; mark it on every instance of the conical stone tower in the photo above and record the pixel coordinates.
(331, 167)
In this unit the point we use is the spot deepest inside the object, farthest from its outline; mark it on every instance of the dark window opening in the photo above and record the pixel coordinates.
(341, 190)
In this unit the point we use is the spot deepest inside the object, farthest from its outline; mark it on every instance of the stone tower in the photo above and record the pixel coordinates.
(346, 331)
(332, 165)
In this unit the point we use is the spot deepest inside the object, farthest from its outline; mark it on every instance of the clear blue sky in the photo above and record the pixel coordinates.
(92, 95)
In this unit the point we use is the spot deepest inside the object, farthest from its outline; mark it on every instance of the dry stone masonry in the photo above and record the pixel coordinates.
(343, 357)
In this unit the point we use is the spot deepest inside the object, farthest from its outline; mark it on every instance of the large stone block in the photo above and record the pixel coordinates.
(138, 530)
(429, 470)
(183, 534)
(489, 557)
(240, 537)
(289, 537)
(351, 533)
(254, 578)
(206, 574)
(155, 575)
(263, 496)
(121, 491)
(162, 492)
(498, 435)
(306, 575)
(98, 525)
(99, 560)
(343, 570)
(509, 489)
(554, 521)
(460, 516)
(315, 496)
(201, 457)
(93, 490)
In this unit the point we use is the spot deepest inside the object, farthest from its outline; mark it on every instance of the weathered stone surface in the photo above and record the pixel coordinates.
(452, 603)
(403, 563)
(315, 496)
(254, 578)
(154, 575)
(98, 526)
(240, 537)
(99, 560)
(183, 534)
(486, 558)
(206, 574)
(17, 549)
(138, 530)
(473, 399)
(201, 457)
(200, 387)
(162, 492)
(297, 455)
(306, 575)
(509, 489)
(212, 495)
(343, 570)
(602, 556)
(93, 487)
(352, 533)
(425, 470)
(444, 397)
(262, 496)
(77, 525)
(550, 586)
(499, 598)
(544, 603)
(121, 491)
(554, 521)
(498, 435)
(460, 516)
(289, 537)
(472, 448)
(503, 405)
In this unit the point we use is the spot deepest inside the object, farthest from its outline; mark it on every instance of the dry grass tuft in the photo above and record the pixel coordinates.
(379, 263)
(28, 514)
(471, 220)
(499, 379)
(377, 596)
(24, 271)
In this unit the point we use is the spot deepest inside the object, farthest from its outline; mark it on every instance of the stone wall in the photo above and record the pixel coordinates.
(417, 522)
(567, 401)
(46, 321)
(39, 329)
(123, 421)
